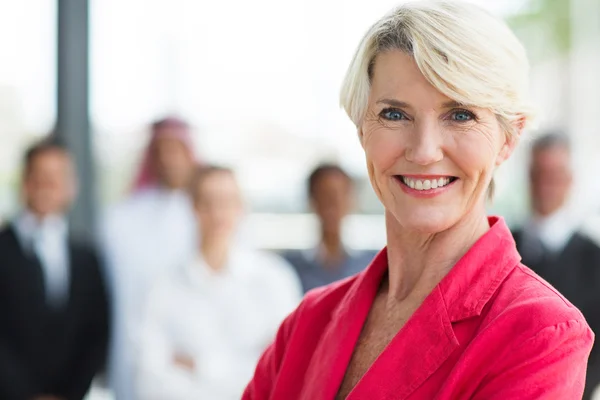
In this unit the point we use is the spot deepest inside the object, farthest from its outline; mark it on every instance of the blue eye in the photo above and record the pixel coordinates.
(462, 116)
(393, 115)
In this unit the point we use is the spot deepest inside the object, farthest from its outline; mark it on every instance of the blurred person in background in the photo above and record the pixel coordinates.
(150, 231)
(551, 242)
(208, 321)
(332, 197)
(54, 311)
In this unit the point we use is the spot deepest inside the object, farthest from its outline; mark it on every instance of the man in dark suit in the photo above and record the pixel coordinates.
(551, 243)
(53, 302)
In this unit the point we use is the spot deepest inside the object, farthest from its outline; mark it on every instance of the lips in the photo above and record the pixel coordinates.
(422, 184)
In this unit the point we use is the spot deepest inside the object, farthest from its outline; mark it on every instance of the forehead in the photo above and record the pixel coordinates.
(556, 154)
(170, 129)
(396, 75)
(52, 156)
(331, 182)
(326, 178)
(168, 141)
(219, 182)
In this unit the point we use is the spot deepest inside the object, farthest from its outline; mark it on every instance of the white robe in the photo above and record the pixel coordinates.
(223, 321)
(149, 233)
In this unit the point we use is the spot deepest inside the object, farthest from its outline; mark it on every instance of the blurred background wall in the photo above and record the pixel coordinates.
(259, 80)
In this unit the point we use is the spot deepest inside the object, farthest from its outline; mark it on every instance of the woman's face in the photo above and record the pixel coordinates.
(430, 160)
(219, 205)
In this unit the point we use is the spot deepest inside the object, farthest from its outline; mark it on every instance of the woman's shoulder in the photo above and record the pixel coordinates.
(315, 311)
(530, 341)
(324, 300)
(529, 304)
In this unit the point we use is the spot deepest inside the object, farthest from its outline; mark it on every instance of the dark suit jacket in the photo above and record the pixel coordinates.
(46, 350)
(575, 272)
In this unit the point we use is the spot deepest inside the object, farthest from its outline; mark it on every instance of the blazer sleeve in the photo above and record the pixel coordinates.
(14, 378)
(92, 356)
(549, 365)
(16, 381)
(156, 377)
(269, 365)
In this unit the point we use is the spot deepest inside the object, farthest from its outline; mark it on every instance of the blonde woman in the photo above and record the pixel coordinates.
(438, 93)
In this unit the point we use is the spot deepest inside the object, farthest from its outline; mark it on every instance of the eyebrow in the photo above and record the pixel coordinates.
(453, 104)
(394, 103)
(403, 104)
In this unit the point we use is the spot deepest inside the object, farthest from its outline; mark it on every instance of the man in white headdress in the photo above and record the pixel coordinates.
(151, 231)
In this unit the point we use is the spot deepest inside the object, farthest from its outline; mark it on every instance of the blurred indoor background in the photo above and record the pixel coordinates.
(259, 82)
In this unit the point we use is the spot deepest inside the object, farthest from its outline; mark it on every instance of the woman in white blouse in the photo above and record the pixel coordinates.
(207, 322)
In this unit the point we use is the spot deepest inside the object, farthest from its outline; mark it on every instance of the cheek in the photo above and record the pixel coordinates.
(205, 218)
(70, 191)
(475, 155)
(383, 149)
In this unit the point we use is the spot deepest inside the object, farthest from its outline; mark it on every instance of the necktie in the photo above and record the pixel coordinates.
(49, 247)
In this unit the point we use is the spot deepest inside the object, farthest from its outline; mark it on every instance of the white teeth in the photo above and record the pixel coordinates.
(425, 184)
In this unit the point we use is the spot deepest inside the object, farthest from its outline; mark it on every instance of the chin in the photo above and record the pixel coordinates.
(45, 210)
(425, 221)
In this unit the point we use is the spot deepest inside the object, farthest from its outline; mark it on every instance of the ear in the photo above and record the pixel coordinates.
(23, 190)
(511, 140)
(74, 185)
(311, 204)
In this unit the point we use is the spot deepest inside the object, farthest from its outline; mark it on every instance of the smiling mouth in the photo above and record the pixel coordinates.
(426, 184)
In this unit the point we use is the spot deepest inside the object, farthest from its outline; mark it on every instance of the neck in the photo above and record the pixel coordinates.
(418, 261)
(332, 248)
(215, 252)
(169, 188)
(40, 216)
(543, 215)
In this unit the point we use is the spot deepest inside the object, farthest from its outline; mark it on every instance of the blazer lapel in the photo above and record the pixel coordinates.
(75, 257)
(414, 354)
(331, 357)
(28, 269)
(427, 340)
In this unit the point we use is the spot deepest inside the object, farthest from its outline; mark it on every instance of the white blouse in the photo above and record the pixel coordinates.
(223, 321)
(151, 232)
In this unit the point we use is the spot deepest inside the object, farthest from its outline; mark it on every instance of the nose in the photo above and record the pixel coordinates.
(425, 145)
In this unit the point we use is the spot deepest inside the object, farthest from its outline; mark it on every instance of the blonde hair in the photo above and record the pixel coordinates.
(463, 51)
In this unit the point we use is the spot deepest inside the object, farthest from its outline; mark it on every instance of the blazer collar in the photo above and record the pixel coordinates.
(471, 282)
(461, 294)
(477, 275)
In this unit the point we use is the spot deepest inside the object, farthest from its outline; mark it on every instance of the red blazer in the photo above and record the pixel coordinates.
(491, 329)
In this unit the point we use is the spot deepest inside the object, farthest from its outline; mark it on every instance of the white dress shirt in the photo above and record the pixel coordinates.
(146, 235)
(553, 231)
(223, 321)
(48, 240)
